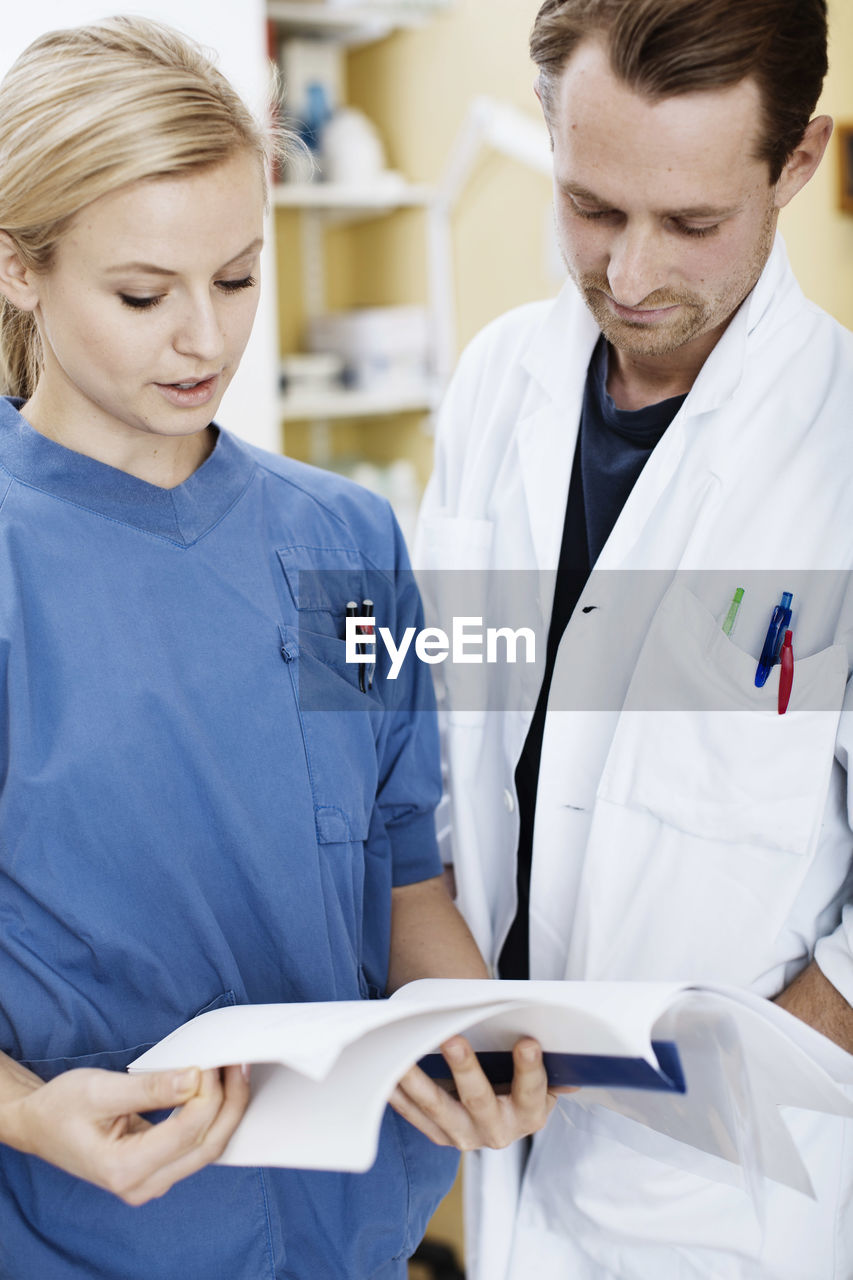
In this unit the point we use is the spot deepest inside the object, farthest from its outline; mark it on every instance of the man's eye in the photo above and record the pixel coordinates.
(590, 213)
(685, 229)
(140, 304)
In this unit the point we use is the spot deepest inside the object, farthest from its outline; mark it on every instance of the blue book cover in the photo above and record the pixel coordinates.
(590, 1069)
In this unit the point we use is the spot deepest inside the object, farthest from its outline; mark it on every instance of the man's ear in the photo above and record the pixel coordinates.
(17, 281)
(537, 89)
(803, 160)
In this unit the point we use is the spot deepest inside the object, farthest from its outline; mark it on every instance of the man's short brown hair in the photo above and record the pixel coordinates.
(661, 48)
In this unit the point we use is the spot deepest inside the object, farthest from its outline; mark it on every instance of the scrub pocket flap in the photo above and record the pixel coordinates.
(705, 751)
(324, 578)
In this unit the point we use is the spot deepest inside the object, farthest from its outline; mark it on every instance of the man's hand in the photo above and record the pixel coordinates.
(813, 999)
(477, 1116)
(87, 1122)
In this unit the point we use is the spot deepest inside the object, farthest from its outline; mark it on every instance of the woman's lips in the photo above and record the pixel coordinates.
(185, 396)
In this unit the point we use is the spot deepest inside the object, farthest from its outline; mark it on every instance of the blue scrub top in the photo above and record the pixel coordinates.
(198, 806)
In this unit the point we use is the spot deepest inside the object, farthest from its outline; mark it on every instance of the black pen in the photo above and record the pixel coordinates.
(352, 612)
(367, 612)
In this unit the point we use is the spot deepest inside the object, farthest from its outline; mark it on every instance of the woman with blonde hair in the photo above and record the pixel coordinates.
(187, 818)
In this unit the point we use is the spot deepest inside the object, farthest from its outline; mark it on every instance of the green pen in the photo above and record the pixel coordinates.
(732, 613)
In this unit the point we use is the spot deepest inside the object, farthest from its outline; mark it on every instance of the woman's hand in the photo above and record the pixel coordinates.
(87, 1122)
(477, 1116)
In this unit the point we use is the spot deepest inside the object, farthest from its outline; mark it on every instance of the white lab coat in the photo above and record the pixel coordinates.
(671, 842)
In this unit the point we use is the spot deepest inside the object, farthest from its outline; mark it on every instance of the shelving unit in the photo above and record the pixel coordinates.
(489, 125)
(351, 202)
(322, 206)
(300, 406)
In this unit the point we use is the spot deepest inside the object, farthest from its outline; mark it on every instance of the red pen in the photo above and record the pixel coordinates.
(786, 675)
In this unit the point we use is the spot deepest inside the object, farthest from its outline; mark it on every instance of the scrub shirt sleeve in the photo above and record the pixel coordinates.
(409, 770)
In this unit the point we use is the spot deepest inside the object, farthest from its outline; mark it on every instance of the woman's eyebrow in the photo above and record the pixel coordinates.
(150, 269)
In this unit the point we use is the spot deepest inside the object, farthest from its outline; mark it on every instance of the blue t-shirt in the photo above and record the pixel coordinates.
(198, 806)
(613, 446)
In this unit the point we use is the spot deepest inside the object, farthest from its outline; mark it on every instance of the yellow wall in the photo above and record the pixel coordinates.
(818, 235)
(418, 86)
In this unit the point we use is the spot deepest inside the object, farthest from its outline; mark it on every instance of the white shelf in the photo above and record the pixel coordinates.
(349, 24)
(324, 205)
(372, 199)
(304, 406)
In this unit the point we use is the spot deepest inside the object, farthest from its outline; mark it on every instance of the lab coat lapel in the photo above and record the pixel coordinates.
(684, 471)
(556, 360)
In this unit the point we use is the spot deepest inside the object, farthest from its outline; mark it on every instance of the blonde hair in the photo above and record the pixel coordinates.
(91, 109)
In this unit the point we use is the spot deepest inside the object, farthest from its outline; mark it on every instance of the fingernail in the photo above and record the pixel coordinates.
(185, 1081)
(455, 1051)
(529, 1053)
(246, 1070)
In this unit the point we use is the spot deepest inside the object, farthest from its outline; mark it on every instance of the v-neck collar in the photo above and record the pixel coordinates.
(182, 514)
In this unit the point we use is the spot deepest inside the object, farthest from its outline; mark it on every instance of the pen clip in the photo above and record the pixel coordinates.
(786, 675)
(780, 619)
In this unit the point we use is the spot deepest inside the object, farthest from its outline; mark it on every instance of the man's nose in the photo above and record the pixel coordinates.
(634, 269)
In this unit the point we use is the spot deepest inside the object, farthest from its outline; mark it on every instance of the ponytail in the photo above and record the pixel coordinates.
(20, 351)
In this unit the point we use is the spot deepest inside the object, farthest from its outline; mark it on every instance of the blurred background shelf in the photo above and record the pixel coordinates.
(352, 201)
(350, 24)
(305, 406)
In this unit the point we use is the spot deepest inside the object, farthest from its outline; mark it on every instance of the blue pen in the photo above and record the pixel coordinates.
(780, 621)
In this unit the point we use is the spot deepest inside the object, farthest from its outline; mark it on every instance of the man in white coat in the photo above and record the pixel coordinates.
(674, 426)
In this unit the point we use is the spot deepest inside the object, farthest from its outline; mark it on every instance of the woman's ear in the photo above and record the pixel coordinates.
(17, 281)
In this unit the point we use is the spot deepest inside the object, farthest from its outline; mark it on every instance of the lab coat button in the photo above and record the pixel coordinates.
(509, 801)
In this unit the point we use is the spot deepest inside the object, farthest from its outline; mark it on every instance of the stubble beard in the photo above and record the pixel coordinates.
(637, 338)
(696, 315)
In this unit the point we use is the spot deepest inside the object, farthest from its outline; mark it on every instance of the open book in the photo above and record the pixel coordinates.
(724, 1061)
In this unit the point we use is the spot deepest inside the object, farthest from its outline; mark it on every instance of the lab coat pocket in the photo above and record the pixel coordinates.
(704, 750)
(709, 806)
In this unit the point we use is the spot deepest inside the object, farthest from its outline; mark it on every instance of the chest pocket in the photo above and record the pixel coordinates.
(709, 806)
(700, 747)
(339, 722)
